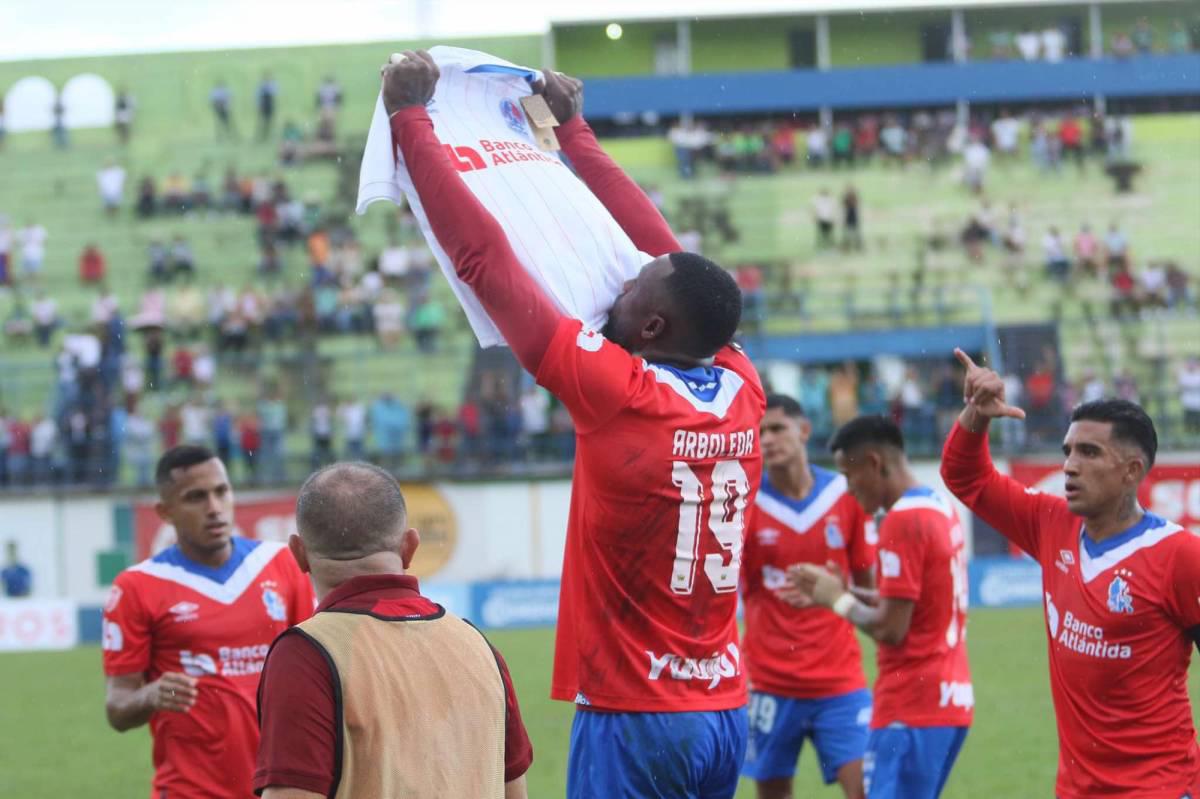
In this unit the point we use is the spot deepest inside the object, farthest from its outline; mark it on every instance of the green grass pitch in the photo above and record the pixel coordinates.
(54, 741)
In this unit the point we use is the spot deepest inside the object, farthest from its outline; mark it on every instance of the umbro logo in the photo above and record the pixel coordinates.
(185, 611)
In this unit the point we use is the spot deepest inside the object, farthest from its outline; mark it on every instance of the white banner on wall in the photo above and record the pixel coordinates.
(31, 624)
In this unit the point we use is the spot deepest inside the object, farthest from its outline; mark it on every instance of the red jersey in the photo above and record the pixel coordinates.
(171, 614)
(925, 681)
(808, 653)
(667, 460)
(666, 465)
(1120, 619)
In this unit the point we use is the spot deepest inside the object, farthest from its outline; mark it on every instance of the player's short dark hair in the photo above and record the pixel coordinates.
(183, 456)
(867, 431)
(786, 404)
(708, 298)
(350, 510)
(1130, 423)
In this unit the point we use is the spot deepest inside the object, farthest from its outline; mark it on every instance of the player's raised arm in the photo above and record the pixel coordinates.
(623, 198)
(967, 467)
(469, 234)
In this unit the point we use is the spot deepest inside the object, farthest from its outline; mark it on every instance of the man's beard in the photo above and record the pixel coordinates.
(609, 331)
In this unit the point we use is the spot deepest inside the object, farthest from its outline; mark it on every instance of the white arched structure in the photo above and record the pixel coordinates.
(29, 105)
(88, 102)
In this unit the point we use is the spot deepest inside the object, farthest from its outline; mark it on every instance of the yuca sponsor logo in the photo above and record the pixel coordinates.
(711, 669)
(957, 694)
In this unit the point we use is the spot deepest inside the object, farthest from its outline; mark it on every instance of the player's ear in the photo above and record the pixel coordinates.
(160, 508)
(299, 552)
(410, 539)
(805, 428)
(654, 328)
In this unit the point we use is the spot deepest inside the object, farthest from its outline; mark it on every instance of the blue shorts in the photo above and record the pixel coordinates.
(779, 725)
(910, 762)
(656, 755)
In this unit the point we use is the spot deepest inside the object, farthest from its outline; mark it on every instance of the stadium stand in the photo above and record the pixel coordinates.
(267, 230)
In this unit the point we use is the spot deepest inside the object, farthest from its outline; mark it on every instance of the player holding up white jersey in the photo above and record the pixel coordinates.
(666, 414)
(924, 701)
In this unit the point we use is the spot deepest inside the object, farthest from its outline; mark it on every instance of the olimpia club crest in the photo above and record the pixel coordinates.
(1119, 599)
(274, 604)
(514, 117)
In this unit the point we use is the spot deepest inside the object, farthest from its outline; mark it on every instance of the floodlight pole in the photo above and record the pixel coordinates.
(1095, 31)
(683, 56)
(548, 48)
(824, 62)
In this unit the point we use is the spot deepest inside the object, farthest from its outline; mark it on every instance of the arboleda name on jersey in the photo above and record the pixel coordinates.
(699, 446)
(709, 669)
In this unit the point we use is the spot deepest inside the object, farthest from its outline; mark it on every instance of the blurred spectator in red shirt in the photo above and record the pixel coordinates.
(19, 434)
(866, 138)
(783, 142)
(1124, 295)
(183, 365)
(1070, 133)
(92, 266)
(1087, 251)
(250, 442)
(170, 427)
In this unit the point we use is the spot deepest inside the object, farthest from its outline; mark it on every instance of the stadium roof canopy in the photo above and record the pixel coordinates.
(627, 12)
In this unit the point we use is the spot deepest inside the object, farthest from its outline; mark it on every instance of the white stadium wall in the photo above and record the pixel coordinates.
(491, 551)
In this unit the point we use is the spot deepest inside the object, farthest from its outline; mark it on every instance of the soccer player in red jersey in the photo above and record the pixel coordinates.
(1121, 588)
(924, 701)
(666, 413)
(805, 665)
(185, 633)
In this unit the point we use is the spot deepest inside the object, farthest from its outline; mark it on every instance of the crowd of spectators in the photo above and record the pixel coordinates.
(271, 440)
(932, 137)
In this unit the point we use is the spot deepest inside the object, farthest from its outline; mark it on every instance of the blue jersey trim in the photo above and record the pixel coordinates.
(821, 479)
(919, 491)
(704, 382)
(1097, 548)
(241, 548)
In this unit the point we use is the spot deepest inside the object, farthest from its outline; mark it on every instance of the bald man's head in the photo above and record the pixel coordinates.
(349, 511)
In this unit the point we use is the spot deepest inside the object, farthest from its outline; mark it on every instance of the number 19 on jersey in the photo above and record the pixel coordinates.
(725, 503)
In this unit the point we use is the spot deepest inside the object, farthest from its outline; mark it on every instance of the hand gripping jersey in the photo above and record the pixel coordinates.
(1121, 618)
(666, 468)
(170, 614)
(807, 653)
(925, 681)
(559, 231)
